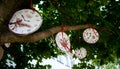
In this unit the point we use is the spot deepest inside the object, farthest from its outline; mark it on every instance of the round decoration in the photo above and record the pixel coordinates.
(25, 21)
(90, 35)
(80, 53)
(1, 52)
(63, 42)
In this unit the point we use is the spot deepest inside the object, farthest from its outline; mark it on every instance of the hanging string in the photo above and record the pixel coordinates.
(64, 43)
(91, 26)
(31, 4)
(62, 29)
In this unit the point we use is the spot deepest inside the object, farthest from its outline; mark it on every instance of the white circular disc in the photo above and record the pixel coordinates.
(80, 53)
(1, 52)
(90, 35)
(63, 42)
(25, 21)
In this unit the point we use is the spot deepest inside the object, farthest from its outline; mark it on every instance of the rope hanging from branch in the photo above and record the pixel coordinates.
(31, 4)
(64, 43)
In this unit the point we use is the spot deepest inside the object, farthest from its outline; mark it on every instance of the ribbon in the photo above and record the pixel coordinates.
(19, 23)
(31, 4)
(91, 26)
(62, 29)
(64, 44)
(64, 41)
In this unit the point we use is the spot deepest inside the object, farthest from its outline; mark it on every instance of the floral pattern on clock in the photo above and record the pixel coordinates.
(90, 35)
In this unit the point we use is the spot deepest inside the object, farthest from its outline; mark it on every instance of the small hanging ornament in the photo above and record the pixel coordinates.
(1, 52)
(63, 42)
(80, 53)
(90, 35)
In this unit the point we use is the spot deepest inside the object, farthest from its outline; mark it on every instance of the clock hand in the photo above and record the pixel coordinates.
(25, 19)
(11, 23)
(17, 21)
(64, 44)
(22, 24)
(89, 36)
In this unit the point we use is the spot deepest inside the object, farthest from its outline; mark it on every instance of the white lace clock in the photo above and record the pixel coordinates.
(25, 21)
(63, 42)
(90, 35)
(80, 53)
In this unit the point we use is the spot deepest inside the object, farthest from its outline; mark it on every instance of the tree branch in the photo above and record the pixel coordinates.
(11, 38)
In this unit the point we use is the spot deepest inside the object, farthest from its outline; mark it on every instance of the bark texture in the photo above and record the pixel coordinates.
(11, 38)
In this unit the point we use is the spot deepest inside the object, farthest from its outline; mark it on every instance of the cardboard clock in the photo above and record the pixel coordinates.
(80, 53)
(90, 35)
(63, 42)
(25, 21)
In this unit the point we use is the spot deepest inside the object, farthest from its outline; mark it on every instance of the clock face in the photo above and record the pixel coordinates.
(81, 53)
(90, 35)
(63, 42)
(25, 21)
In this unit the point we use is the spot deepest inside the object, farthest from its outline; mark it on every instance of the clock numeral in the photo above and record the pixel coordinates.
(21, 11)
(26, 11)
(36, 15)
(15, 29)
(93, 37)
(32, 12)
(29, 16)
(35, 25)
(28, 30)
(37, 20)
(15, 15)
(10, 26)
(22, 31)
(11, 20)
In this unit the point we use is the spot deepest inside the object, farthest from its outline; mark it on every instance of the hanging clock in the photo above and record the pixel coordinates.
(63, 42)
(25, 21)
(1, 52)
(90, 35)
(80, 53)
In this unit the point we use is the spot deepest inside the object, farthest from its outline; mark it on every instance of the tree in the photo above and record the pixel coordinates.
(77, 15)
